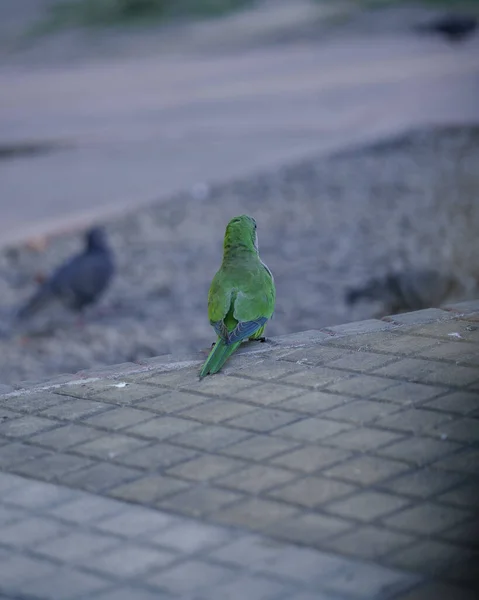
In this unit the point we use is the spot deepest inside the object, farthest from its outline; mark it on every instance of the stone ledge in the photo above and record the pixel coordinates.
(310, 337)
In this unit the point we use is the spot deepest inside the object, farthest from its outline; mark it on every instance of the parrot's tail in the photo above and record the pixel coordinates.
(217, 357)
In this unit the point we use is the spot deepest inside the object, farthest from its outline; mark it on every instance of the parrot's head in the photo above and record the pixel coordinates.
(241, 231)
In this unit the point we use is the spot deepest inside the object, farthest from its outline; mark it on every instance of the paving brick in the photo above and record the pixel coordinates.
(368, 581)
(100, 476)
(363, 439)
(211, 438)
(86, 509)
(109, 392)
(255, 513)
(360, 361)
(30, 403)
(17, 569)
(427, 518)
(110, 446)
(171, 402)
(438, 591)
(312, 491)
(256, 479)
(216, 411)
(313, 403)
(191, 536)
(390, 342)
(259, 447)
(465, 534)
(220, 385)
(199, 501)
(415, 420)
(264, 420)
(428, 371)
(129, 561)
(76, 545)
(36, 495)
(422, 483)
(442, 330)
(148, 489)
(162, 428)
(457, 351)
(26, 533)
(314, 355)
(465, 461)
(9, 482)
(157, 456)
(461, 402)
(308, 529)
(119, 418)
(129, 593)
(267, 393)
(277, 559)
(406, 392)
(361, 385)
(464, 572)
(317, 377)
(247, 586)
(310, 458)
(65, 584)
(370, 542)
(312, 429)
(360, 411)
(74, 409)
(366, 326)
(66, 436)
(25, 426)
(266, 370)
(366, 505)
(425, 315)
(17, 452)
(429, 557)
(171, 378)
(206, 467)
(9, 514)
(464, 430)
(200, 574)
(136, 521)
(366, 470)
(465, 494)
(53, 466)
(419, 450)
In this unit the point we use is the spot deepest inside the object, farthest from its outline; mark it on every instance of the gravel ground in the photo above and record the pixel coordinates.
(323, 224)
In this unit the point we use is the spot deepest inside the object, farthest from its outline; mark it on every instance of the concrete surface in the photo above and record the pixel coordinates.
(329, 465)
(136, 128)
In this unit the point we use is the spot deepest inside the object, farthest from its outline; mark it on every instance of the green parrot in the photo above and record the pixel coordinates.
(242, 294)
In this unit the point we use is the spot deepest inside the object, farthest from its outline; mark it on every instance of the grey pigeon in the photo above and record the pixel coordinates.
(454, 27)
(407, 291)
(80, 281)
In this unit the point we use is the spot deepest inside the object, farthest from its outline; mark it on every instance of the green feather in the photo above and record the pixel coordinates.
(217, 357)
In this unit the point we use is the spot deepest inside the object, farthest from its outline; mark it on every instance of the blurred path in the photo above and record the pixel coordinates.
(139, 129)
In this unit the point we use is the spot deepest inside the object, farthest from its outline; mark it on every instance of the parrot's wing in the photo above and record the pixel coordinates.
(245, 329)
(253, 306)
(219, 304)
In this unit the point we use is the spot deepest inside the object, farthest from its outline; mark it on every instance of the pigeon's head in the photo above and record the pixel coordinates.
(96, 239)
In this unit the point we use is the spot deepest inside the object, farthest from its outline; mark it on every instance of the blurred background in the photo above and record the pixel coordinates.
(349, 130)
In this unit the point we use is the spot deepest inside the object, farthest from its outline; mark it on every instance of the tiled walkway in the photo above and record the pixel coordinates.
(334, 465)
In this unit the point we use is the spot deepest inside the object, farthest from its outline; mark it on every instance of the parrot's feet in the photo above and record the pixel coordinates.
(262, 340)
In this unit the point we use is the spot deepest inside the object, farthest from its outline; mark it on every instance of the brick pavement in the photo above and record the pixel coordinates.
(335, 464)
